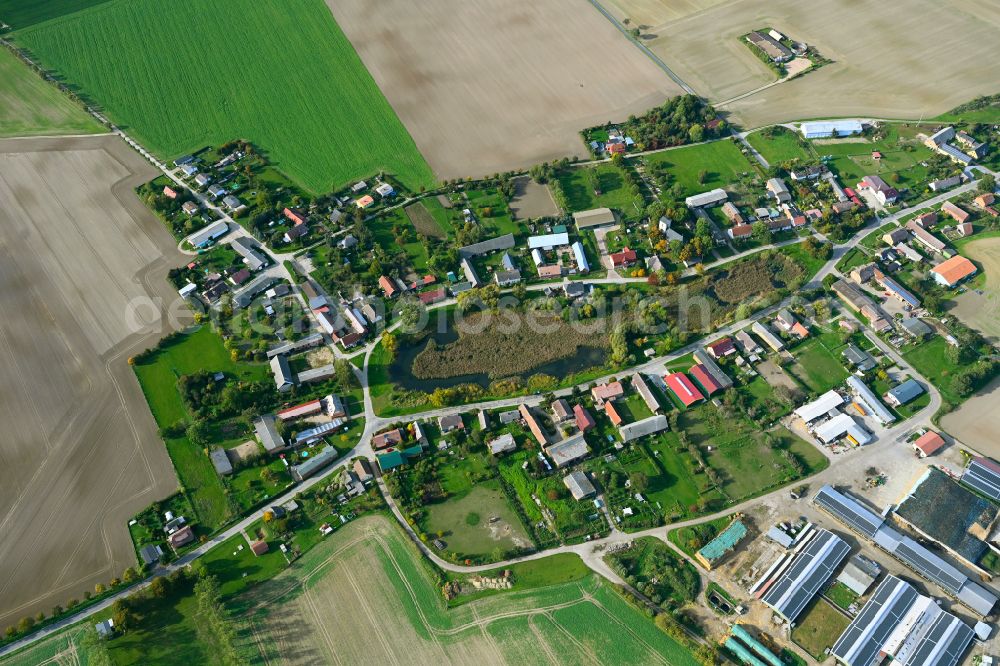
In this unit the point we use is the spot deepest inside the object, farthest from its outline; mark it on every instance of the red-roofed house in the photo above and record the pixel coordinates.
(169, 192)
(296, 217)
(624, 258)
(300, 411)
(387, 439)
(259, 547)
(965, 228)
(388, 286)
(983, 200)
(683, 388)
(609, 409)
(799, 330)
(954, 212)
(926, 220)
(433, 296)
(706, 380)
(928, 444)
(740, 231)
(615, 148)
(607, 392)
(584, 421)
(720, 348)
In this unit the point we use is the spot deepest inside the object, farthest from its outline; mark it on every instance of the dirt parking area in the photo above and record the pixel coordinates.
(977, 421)
(80, 260)
(532, 200)
(903, 59)
(485, 86)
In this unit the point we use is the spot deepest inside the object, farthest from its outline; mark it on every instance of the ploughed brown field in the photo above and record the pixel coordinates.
(79, 454)
(900, 59)
(484, 86)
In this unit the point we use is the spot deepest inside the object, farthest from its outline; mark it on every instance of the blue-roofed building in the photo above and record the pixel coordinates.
(897, 290)
(904, 393)
(581, 258)
(830, 128)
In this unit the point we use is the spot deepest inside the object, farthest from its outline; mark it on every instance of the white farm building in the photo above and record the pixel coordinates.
(830, 128)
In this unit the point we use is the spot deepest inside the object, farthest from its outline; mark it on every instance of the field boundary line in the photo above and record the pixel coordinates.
(642, 47)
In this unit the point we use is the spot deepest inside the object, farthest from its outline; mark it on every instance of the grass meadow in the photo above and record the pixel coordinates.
(721, 162)
(279, 73)
(30, 106)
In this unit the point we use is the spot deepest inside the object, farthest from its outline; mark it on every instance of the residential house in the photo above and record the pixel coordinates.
(964, 229)
(507, 278)
(640, 386)
(283, 377)
(926, 238)
(388, 286)
(296, 217)
(896, 236)
(216, 191)
(943, 184)
(169, 192)
(955, 212)
(433, 296)
(926, 220)
(607, 392)
(624, 258)
(785, 319)
(384, 440)
(609, 409)
(181, 537)
(534, 425)
(584, 421)
(778, 190)
(579, 485)
(451, 423)
(561, 411)
(721, 348)
(864, 273)
(984, 200)
(747, 342)
(732, 213)
(879, 189)
(267, 432)
(768, 336)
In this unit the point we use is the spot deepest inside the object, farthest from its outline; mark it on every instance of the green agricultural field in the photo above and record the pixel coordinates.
(279, 73)
(371, 565)
(721, 161)
(29, 106)
(23, 13)
(783, 145)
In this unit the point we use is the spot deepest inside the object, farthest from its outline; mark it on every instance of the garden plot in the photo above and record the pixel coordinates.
(492, 85)
(81, 453)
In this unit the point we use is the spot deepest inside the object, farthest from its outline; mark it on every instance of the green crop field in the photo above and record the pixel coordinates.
(371, 565)
(279, 73)
(30, 106)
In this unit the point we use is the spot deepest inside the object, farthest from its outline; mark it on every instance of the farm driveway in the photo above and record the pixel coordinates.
(80, 452)
(485, 86)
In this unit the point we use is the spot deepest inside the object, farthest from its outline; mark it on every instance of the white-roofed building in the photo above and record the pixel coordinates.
(830, 128)
(820, 406)
(842, 425)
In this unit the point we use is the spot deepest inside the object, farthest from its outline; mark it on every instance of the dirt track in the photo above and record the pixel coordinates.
(490, 85)
(80, 452)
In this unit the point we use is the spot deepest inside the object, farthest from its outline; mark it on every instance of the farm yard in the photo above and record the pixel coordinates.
(301, 94)
(924, 65)
(30, 106)
(371, 566)
(481, 100)
(71, 405)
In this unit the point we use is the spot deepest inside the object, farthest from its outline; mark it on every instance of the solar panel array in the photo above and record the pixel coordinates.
(861, 642)
(982, 478)
(811, 568)
(930, 566)
(850, 512)
(943, 644)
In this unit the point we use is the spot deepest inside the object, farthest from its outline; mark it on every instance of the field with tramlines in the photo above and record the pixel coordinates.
(191, 74)
(298, 618)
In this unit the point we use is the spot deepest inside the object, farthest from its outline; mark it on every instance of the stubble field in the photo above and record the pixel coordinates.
(80, 451)
(490, 85)
(903, 59)
(363, 597)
